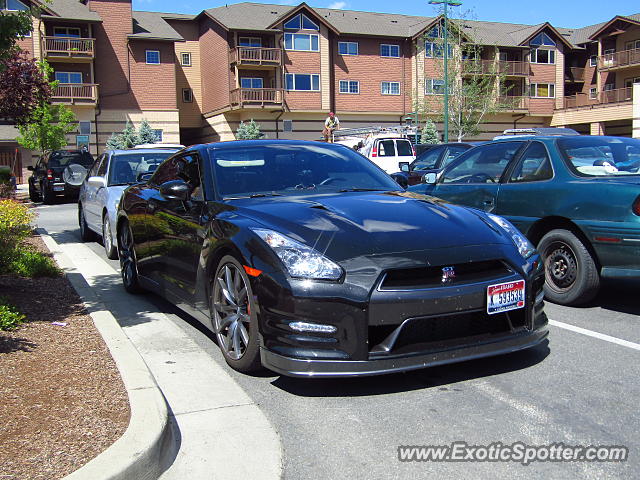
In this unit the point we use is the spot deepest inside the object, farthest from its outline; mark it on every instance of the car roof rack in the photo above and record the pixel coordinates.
(160, 145)
(404, 130)
(544, 131)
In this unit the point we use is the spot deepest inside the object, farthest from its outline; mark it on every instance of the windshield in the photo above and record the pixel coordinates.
(293, 169)
(62, 159)
(600, 156)
(127, 168)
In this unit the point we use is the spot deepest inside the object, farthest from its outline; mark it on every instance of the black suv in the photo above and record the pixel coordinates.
(59, 173)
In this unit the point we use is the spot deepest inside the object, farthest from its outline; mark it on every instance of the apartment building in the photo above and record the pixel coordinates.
(196, 77)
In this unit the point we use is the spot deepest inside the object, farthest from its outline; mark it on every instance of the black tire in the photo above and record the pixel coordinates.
(110, 247)
(571, 274)
(128, 260)
(247, 359)
(47, 195)
(86, 234)
(34, 196)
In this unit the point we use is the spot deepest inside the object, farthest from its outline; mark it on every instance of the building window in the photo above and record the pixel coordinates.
(349, 86)
(301, 22)
(249, 42)
(66, 32)
(593, 93)
(432, 49)
(390, 50)
(13, 5)
(543, 90)
(185, 59)
(303, 42)
(543, 55)
(634, 45)
(68, 77)
(390, 88)
(187, 95)
(251, 83)
(153, 57)
(433, 86)
(609, 86)
(302, 81)
(542, 39)
(348, 48)
(287, 125)
(158, 134)
(84, 128)
(593, 61)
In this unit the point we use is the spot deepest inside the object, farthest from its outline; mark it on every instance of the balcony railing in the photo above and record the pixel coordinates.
(621, 59)
(492, 67)
(255, 56)
(76, 93)
(575, 74)
(71, 47)
(514, 103)
(256, 96)
(510, 67)
(608, 97)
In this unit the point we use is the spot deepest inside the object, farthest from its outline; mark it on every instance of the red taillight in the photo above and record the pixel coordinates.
(413, 149)
(636, 206)
(374, 152)
(49, 174)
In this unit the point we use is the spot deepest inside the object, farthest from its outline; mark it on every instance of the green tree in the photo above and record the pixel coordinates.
(429, 133)
(14, 25)
(249, 131)
(146, 133)
(128, 138)
(47, 128)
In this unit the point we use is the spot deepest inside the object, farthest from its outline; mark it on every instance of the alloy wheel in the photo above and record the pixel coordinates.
(127, 257)
(232, 316)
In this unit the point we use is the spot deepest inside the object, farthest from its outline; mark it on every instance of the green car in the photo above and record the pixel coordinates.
(577, 198)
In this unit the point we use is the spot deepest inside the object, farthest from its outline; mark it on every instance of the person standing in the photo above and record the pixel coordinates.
(330, 124)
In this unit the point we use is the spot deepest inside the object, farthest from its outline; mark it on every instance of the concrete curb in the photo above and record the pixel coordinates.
(138, 453)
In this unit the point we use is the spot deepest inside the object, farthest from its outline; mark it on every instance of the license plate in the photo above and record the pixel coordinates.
(58, 188)
(505, 296)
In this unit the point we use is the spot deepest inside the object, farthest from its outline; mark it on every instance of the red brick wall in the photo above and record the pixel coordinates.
(214, 54)
(370, 69)
(542, 73)
(26, 44)
(153, 86)
(302, 62)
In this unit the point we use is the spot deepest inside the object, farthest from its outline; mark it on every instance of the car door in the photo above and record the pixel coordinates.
(90, 204)
(529, 193)
(179, 229)
(473, 179)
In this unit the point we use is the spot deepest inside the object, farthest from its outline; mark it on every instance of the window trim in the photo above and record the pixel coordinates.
(294, 82)
(182, 56)
(292, 49)
(349, 92)
(55, 74)
(190, 96)
(250, 38)
(301, 23)
(7, 9)
(159, 138)
(349, 43)
(593, 93)
(431, 80)
(390, 83)
(531, 56)
(389, 45)
(593, 61)
(66, 29)
(146, 57)
(252, 79)
(536, 89)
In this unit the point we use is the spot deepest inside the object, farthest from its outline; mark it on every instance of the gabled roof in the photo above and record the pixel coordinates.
(70, 10)
(541, 27)
(299, 9)
(152, 26)
(633, 19)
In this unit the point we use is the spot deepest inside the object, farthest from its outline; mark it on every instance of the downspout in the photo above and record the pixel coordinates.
(278, 124)
(517, 118)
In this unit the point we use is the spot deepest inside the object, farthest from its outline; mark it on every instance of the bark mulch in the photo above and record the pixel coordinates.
(62, 401)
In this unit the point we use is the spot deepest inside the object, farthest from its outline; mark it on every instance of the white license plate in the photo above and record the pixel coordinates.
(505, 296)
(58, 188)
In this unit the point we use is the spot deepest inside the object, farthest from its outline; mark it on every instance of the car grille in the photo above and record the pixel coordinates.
(429, 277)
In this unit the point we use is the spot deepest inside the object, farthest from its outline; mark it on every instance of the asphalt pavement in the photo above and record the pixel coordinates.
(581, 388)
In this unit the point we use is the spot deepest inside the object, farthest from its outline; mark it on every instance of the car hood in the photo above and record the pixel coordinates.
(354, 224)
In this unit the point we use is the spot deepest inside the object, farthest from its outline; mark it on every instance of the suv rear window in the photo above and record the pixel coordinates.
(63, 158)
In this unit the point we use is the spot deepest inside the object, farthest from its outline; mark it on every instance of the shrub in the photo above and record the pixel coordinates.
(10, 317)
(34, 264)
(249, 131)
(429, 134)
(15, 225)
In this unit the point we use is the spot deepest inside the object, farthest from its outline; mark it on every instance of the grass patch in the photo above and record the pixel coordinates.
(10, 317)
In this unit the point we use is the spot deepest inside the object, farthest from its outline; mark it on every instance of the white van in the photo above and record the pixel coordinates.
(387, 151)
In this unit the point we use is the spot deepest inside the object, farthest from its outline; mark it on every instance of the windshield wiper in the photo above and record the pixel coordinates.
(360, 190)
(254, 195)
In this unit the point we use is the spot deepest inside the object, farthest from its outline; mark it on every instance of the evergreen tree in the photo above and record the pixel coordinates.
(146, 133)
(128, 138)
(249, 131)
(429, 133)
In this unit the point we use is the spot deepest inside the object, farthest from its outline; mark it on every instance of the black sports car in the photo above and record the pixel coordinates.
(308, 259)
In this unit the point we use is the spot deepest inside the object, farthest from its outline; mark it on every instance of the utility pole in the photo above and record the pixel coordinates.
(446, 3)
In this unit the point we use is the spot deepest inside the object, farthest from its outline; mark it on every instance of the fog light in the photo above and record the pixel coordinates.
(312, 327)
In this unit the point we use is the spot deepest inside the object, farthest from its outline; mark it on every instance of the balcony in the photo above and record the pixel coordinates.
(255, 97)
(574, 75)
(76, 94)
(491, 67)
(63, 49)
(619, 60)
(513, 68)
(255, 57)
(512, 103)
(608, 97)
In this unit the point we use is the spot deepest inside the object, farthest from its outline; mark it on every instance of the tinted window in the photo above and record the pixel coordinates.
(452, 153)
(94, 169)
(534, 165)
(428, 160)
(62, 159)
(294, 170)
(484, 164)
(128, 168)
(598, 156)
(386, 148)
(404, 148)
(102, 170)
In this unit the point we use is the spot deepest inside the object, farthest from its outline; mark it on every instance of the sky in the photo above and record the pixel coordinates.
(560, 13)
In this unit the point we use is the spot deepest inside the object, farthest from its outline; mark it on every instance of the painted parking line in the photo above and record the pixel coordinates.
(590, 333)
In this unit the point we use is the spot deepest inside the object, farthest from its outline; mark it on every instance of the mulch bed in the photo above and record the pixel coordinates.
(62, 401)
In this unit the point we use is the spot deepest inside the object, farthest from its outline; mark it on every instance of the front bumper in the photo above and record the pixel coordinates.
(295, 367)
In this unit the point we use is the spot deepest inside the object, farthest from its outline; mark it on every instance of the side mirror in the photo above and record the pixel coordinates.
(175, 190)
(97, 182)
(404, 167)
(31, 168)
(401, 180)
(430, 178)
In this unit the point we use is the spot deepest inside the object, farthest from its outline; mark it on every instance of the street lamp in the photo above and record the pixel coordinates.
(446, 3)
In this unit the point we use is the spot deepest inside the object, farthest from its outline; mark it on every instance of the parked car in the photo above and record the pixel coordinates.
(431, 160)
(58, 173)
(307, 259)
(567, 195)
(100, 193)
(388, 150)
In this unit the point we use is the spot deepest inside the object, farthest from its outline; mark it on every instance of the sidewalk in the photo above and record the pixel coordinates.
(209, 428)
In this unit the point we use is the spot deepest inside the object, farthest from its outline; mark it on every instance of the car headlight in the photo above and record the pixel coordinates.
(300, 260)
(520, 241)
